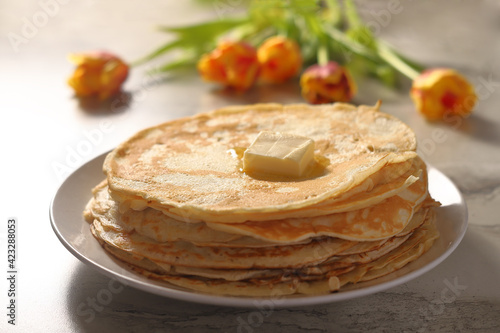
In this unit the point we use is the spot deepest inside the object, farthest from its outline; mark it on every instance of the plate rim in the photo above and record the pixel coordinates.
(134, 279)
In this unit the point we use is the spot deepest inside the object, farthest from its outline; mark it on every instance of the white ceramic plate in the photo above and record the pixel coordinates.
(74, 232)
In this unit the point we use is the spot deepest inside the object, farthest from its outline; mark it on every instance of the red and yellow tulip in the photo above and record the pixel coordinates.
(441, 91)
(279, 58)
(233, 64)
(327, 83)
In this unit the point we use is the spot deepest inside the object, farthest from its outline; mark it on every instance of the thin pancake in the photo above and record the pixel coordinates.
(420, 242)
(184, 167)
(380, 221)
(187, 254)
(161, 228)
(149, 222)
(225, 274)
(386, 182)
(338, 263)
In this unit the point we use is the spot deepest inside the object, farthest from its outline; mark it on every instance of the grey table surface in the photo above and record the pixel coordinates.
(41, 123)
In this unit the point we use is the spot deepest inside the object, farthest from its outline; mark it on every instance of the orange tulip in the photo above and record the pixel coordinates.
(279, 59)
(233, 64)
(97, 74)
(440, 91)
(327, 83)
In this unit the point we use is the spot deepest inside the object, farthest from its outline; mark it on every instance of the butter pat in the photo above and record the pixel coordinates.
(279, 154)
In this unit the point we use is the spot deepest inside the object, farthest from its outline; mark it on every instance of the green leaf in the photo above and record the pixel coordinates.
(205, 32)
(159, 51)
(357, 30)
(175, 65)
(332, 13)
(351, 14)
(296, 6)
(199, 37)
(270, 14)
(362, 35)
(304, 7)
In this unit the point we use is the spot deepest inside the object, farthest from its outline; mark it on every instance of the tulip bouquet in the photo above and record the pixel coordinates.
(322, 41)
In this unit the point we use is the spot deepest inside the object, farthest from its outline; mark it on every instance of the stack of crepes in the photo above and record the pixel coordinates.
(177, 206)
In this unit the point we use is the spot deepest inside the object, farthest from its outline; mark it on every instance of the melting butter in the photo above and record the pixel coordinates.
(277, 153)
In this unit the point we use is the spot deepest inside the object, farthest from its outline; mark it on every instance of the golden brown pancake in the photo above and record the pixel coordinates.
(184, 167)
(258, 283)
(177, 207)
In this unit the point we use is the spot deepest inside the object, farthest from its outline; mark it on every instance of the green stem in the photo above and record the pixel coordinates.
(323, 54)
(389, 56)
(351, 45)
